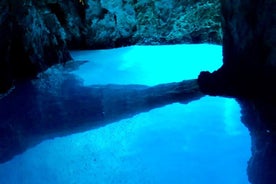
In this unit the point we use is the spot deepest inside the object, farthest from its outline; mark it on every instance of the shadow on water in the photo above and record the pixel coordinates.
(66, 100)
(58, 104)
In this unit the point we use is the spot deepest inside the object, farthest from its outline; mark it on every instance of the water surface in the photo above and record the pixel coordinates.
(197, 143)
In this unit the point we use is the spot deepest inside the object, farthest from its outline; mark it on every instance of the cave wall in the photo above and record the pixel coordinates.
(117, 22)
(249, 32)
(249, 74)
(106, 24)
(32, 39)
(37, 34)
(248, 51)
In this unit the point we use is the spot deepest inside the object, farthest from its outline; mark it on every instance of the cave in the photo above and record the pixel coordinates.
(44, 32)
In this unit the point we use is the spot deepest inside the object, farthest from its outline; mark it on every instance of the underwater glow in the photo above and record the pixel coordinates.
(196, 143)
(148, 65)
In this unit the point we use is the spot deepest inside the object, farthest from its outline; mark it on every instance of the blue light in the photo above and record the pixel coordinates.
(196, 143)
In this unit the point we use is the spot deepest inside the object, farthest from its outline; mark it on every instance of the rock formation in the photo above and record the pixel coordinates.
(32, 39)
(249, 74)
(37, 34)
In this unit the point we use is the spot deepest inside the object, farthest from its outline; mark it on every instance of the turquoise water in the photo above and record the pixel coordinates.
(197, 143)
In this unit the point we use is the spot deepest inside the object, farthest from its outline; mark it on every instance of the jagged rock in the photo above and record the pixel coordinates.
(110, 23)
(118, 22)
(164, 21)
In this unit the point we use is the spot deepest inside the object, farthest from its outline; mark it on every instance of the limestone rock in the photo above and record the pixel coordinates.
(178, 22)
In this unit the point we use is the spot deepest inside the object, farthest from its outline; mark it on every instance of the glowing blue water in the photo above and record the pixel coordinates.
(148, 65)
(197, 143)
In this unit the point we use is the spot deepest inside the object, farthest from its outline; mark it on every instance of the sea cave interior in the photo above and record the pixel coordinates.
(132, 91)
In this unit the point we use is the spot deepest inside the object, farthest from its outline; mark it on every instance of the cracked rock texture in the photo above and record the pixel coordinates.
(121, 22)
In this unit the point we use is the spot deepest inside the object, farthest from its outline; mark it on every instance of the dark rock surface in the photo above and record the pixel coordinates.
(32, 39)
(260, 117)
(249, 74)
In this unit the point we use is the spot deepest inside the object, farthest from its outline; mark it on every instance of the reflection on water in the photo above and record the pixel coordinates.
(174, 144)
(200, 142)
